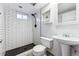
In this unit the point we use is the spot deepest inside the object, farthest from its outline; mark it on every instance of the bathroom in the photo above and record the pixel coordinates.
(39, 29)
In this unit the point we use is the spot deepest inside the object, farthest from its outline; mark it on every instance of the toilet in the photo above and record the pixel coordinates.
(40, 50)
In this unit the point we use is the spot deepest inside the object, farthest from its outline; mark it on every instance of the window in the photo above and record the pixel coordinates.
(24, 16)
(21, 15)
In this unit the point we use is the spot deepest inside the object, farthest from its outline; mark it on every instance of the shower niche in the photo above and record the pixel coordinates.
(67, 13)
(46, 14)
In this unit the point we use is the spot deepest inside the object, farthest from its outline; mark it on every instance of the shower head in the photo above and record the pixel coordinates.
(33, 14)
(35, 19)
(33, 4)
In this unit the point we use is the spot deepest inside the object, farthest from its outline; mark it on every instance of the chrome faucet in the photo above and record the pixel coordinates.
(66, 35)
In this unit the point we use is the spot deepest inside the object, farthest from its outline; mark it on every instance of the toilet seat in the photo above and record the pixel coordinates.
(39, 50)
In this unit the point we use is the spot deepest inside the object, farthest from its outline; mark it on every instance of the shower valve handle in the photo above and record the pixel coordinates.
(0, 41)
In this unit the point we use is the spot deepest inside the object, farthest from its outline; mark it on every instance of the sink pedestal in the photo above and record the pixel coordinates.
(65, 50)
(65, 43)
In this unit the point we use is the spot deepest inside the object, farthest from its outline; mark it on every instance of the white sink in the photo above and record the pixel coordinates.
(65, 43)
(67, 40)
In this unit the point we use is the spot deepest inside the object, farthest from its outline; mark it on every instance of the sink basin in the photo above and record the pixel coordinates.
(67, 40)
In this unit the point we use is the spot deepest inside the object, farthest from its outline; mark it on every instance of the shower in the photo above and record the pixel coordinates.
(35, 25)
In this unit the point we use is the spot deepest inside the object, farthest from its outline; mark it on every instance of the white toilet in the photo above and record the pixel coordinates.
(40, 50)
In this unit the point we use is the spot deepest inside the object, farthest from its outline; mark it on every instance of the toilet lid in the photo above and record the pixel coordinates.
(39, 48)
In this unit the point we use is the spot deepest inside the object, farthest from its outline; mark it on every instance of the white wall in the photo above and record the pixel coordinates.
(18, 32)
(48, 29)
(36, 31)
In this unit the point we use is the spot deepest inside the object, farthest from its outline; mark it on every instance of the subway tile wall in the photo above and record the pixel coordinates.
(2, 31)
(18, 32)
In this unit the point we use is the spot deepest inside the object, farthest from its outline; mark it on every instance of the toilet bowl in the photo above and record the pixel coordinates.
(40, 50)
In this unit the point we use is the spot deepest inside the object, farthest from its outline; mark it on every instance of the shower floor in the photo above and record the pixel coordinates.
(19, 50)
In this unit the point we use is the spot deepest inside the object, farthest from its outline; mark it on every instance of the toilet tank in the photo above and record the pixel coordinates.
(47, 42)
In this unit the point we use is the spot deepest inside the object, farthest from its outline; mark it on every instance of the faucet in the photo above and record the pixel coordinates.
(66, 35)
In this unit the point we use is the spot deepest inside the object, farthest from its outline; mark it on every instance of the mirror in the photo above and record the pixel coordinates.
(66, 12)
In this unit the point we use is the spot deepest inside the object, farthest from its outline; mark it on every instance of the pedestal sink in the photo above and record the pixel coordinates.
(65, 43)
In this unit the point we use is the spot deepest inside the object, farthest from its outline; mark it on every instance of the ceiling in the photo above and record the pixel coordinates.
(27, 7)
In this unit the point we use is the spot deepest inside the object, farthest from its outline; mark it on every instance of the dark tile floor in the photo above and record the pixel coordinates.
(49, 54)
(19, 50)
